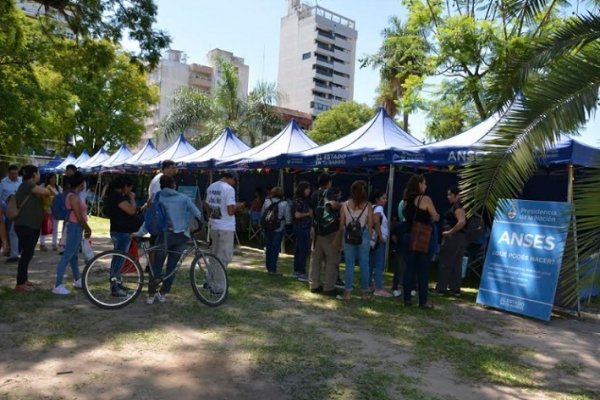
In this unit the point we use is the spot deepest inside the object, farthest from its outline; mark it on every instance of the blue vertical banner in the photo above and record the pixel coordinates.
(524, 257)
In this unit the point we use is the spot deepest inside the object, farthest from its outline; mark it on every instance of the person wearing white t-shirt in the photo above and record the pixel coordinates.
(8, 187)
(221, 204)
(168, 168)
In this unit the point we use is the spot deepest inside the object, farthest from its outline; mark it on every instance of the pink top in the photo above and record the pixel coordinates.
(82, 206)
(349, 212)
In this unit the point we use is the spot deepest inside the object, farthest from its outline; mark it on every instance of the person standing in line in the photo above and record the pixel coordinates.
(50, 184)
(378, 243)
(180, 209)
(356, 209)
(66, 185)
(454, 244)
(303, 222)
(8, 186)
(77, 225)
(274, 237)
(121, 210)
(221, 205)
(325, 206)
(417, 207)
(28, 222)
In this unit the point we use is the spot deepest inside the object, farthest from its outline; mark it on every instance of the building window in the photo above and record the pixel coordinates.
(306, 56)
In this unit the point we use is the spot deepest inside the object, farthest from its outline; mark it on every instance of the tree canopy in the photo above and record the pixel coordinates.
(340, 120)
(462, 47)
(53, 89)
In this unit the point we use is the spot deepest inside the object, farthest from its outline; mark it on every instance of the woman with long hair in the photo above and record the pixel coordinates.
(50, 184)
(28, 222)
(76, 226)
(418, 207)
(303, 222)
(356, 210)
(379, 239)
(121, 209)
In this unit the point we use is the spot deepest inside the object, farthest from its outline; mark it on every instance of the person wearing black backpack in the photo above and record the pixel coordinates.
(276, 214)
(454, 244)
(356, 224)
(326, 220)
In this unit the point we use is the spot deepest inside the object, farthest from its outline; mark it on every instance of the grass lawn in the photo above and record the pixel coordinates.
(313, 347)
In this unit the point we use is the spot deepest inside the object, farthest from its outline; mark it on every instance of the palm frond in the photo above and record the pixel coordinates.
(561, 102)
(189, 108)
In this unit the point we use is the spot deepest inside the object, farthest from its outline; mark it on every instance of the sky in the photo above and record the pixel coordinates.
(250, 29)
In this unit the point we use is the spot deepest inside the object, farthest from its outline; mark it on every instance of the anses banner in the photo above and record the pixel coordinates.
(524, 257)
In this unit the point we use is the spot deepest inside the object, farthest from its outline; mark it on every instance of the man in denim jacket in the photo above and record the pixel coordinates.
(180, 209)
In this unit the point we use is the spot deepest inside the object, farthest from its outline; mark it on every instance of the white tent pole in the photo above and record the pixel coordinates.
(390, 208)
(576, 247)
(289, 205)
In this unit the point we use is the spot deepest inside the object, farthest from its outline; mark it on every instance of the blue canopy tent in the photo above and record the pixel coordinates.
(224, 146)
(50, 165)
(181, 147)
(375, 143)
(94, 161)
(115, 160)
(147, 152)
(272, 153)
(467, 146)
(71, 160)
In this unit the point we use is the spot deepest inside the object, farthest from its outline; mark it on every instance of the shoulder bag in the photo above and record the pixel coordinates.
(420, 234)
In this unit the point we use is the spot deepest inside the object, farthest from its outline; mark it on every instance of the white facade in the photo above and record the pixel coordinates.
(317, 53)
(173, 73)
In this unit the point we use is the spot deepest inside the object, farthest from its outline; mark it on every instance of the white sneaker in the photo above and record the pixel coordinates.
(396, 293)
(413, 293)
(150, 299)
(61, 289)
(160, 297)
(77, 284)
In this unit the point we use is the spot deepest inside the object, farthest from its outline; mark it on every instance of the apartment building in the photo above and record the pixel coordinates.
(317, 53)
(174, 72)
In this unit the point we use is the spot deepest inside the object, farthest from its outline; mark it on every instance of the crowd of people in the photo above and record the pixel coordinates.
(324, 227)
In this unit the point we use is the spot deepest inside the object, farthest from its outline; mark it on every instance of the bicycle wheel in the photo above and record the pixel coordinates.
(96, 280)
(209, 279)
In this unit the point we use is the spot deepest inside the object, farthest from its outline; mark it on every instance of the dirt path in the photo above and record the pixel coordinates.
(173, 360)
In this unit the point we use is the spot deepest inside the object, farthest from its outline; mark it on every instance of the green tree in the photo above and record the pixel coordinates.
(402, 63)
(254, 117)
(112, 96)
(340, 120)
(466, 43)
(33, 101)
(559, 78)
(109, 19)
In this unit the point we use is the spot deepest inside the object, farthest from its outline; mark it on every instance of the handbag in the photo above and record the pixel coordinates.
(47, 224)
(420, 234)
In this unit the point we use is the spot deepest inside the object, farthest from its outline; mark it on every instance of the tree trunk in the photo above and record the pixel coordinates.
(479, 105)
(405, 121)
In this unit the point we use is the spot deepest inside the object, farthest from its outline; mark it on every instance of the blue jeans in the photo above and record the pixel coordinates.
(273, 243)
(176, 243)
(121, 241)
(351, 254)
(72, 246)
(376, 265)
(302, 248)
(417, 264)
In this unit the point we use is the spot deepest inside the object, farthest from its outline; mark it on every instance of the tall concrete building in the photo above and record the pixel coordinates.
(174, 72)
(317, 52)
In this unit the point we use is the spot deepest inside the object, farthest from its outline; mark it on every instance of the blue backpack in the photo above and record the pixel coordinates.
(156, 219)
(58, 208)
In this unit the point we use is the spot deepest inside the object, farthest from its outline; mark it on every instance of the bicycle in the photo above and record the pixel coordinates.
(208, 276)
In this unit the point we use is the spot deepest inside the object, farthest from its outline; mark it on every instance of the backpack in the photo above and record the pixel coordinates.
(327, 219)
(270, 220)
(475, 228)
(156, 219)
(354, 229)
(58, 208)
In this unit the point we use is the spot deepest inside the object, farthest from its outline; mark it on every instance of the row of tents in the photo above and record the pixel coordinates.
(379, 142)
